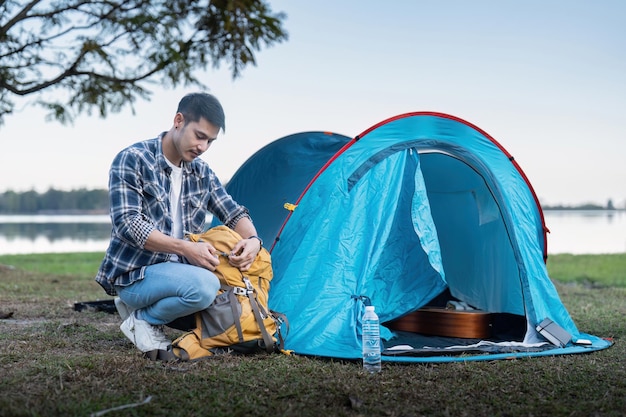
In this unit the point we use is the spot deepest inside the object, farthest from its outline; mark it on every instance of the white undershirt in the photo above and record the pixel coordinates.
(176, 184)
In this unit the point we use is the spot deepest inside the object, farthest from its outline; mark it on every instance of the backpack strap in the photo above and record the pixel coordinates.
(249, 292)
(267, 338)
(280, 319)
(232, 298)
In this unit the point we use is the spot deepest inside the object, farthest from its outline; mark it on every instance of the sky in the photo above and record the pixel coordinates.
(546, 79)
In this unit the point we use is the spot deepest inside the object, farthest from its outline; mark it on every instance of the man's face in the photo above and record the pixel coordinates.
(195, 138)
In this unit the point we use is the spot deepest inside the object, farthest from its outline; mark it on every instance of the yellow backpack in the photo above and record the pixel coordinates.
(239, 319)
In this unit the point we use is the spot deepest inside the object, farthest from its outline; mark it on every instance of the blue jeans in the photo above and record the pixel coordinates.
(170, 290)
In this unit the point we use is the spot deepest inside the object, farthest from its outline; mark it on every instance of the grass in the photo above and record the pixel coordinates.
(604, 270)
(56, 361)
(85, 263)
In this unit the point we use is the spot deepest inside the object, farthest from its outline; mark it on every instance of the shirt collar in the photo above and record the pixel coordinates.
(162, 160)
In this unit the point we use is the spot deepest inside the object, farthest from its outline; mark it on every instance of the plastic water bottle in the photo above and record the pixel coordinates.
(371, 341)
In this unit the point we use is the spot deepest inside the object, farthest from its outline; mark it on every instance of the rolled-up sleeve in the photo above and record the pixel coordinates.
(126, 198)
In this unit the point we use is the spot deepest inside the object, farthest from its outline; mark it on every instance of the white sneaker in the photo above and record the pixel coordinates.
(122, 308)
(144, 335)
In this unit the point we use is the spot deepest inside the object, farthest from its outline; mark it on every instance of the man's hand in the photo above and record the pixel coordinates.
(202, 254)
(244, 253)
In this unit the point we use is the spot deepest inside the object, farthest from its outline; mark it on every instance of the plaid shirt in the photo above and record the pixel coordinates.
(139, 190)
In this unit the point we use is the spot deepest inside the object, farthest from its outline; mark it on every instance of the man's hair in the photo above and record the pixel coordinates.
(195, 106)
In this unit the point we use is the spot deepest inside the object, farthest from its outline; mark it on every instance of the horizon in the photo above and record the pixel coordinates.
(585, 205)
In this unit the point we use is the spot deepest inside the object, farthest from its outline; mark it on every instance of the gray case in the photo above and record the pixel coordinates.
(554, 333)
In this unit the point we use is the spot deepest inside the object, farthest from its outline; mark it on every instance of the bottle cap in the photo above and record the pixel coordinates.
(369, 308)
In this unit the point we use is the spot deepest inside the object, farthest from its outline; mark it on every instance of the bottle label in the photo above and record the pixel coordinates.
(372, 343)
(371, 338)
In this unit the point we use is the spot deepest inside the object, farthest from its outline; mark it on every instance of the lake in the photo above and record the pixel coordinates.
(53, 233)
(590, 231)
(577, 232)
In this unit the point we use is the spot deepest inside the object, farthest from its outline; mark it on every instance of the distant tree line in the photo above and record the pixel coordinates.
(97, 201)
(587, 206)
(54, 202)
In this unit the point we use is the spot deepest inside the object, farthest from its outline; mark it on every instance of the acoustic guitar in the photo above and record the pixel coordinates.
(436, 321)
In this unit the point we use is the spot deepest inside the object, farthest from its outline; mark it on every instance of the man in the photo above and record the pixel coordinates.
(160, 191)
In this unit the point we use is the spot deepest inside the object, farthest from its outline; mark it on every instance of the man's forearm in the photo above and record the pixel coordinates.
(160, 242)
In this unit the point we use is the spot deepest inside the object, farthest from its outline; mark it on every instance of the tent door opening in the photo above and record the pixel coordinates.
(477, 257)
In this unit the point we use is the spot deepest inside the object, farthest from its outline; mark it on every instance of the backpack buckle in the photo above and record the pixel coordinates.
(249, 285)
(240, 291)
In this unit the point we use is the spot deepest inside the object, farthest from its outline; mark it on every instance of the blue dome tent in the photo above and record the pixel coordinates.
(277, 174)
(419, 208)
